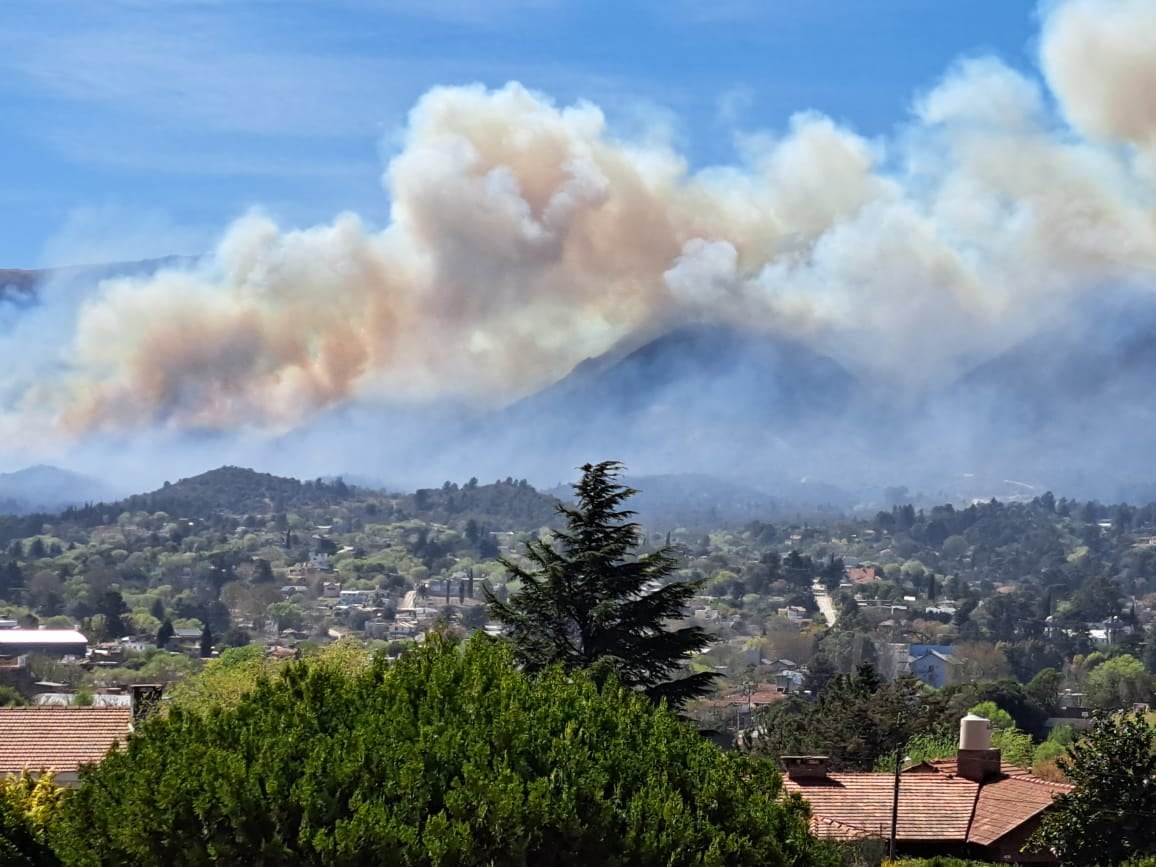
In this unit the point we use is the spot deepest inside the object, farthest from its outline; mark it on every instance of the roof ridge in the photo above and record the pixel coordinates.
(1029, 777)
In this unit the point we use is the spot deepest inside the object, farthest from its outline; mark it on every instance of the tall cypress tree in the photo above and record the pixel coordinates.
(165, 633)
(588, 601)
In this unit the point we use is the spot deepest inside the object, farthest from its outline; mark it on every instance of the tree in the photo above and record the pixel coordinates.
(1044, 689)
(324, 766)
(586, 602)
(855, 721)
(165, 633)
(488, 547)
(1118, 683)
(820, 674)
(28, 808)
(237, 637)
(998, 717)
(262, 571)
(1150, 649)
(157, 608)
(286, 615)
(224, 680)
(474, 617)
(1107, 818)
(112, 607)
(981, 661)
(206, 642)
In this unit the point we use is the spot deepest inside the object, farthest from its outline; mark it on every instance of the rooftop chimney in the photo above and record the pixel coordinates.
(805, 767)
(976, 760)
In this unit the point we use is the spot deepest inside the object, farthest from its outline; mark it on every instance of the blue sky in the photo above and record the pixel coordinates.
(132, 128)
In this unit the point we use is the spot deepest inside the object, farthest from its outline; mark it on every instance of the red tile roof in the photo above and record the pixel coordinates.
(821, 826)
(934, 803)
(931, 806)
(58, 738)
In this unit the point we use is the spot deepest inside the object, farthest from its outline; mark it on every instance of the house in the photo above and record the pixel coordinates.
(356, 597)
(968, 807)
(1108, 631)
(184, 640)
(59, 739)
(138, 643)
(57, 643)
(793, 613)
(934, 667)
(934, 664)
(778, 666)
(741, 704)
(790, 681)
(1071, 711)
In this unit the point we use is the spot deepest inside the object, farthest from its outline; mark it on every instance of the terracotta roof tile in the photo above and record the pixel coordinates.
(821, 826)
(58, 738)
(934, 803)
(931, 806)
(1006, 803)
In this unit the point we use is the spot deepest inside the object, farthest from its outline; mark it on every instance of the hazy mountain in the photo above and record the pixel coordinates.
(1069, 408)
(1105, 350)
(698, 501)
(45, 489)
(696, 399)
(680, 370)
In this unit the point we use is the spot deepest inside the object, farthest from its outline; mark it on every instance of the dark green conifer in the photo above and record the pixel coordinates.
(587, 601)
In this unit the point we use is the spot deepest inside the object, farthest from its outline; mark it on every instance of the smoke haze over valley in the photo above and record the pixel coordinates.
(967, 302)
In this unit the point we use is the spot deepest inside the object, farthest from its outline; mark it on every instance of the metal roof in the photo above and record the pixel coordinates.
(42, 636)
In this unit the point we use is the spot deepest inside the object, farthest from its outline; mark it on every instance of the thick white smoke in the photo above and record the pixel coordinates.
(525, 237)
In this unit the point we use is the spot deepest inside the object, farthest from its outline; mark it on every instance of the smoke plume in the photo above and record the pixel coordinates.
(524, 236)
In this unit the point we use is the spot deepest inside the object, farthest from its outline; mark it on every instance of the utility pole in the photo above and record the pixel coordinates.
(895, 802)
(748, 689)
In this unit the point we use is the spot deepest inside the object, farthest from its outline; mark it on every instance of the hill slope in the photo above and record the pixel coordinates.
(44, 489)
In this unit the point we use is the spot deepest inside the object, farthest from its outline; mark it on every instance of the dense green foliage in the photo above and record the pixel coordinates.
(448, 756)
(587, 601)
(1108, 818)
(859, 720)
(855, 721)
(28, 808)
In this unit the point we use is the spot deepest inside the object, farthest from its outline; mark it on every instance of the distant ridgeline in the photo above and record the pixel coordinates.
(234, 493)
(20, 286)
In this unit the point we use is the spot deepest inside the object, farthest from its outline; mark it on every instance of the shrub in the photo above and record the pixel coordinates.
(447, 756)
